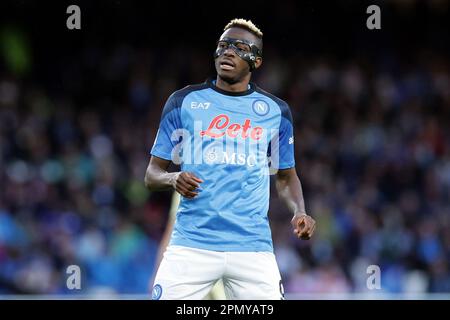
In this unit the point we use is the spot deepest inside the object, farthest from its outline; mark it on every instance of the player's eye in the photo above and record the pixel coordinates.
(222, 44)
(243, 47)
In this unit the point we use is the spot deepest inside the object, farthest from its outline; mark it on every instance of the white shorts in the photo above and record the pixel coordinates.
(188, 273)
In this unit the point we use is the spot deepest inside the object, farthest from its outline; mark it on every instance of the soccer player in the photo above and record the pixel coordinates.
(229, 136)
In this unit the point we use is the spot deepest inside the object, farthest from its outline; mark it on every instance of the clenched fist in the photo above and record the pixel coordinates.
(186, 184)
(304, 226)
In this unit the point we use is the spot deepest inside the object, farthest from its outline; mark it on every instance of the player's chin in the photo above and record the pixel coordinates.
(227, 75)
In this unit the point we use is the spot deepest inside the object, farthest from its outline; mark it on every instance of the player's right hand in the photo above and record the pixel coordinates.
(186, 184)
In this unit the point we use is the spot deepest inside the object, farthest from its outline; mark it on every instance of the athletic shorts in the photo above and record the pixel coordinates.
(189, 273)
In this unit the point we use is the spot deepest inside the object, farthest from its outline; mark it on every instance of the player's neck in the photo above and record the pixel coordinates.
(240, 86)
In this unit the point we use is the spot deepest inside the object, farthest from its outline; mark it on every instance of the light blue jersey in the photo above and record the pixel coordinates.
(226, 139)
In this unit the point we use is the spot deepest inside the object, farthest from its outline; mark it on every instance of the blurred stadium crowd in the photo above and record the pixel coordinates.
(372, 148)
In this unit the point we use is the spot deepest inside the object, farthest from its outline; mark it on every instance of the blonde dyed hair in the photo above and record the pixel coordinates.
(244, 24)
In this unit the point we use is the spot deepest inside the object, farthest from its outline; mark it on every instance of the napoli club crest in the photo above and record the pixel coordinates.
(260, 107)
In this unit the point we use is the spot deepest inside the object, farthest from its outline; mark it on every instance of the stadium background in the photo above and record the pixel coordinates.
(79, 111)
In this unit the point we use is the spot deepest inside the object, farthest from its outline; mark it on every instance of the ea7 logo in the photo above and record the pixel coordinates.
(200, 105)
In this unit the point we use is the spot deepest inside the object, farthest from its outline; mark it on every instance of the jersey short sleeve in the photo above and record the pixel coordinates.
(286, 140)
(166, 140)
(281, 147)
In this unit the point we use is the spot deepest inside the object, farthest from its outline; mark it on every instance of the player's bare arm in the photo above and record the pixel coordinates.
(157, 178)
(290, 191)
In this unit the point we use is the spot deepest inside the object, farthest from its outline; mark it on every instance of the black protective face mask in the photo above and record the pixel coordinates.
(246, 50)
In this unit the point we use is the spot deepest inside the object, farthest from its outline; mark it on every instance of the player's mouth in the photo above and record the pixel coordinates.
(227, 65)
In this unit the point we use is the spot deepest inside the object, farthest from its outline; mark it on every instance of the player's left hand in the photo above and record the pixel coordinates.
(304, 226)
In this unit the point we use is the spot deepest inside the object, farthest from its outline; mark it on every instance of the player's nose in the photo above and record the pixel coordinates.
(229, 52)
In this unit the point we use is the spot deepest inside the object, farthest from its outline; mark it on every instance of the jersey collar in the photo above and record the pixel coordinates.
(212, 85)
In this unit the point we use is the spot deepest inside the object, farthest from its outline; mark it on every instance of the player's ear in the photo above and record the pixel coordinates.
(258, 62)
